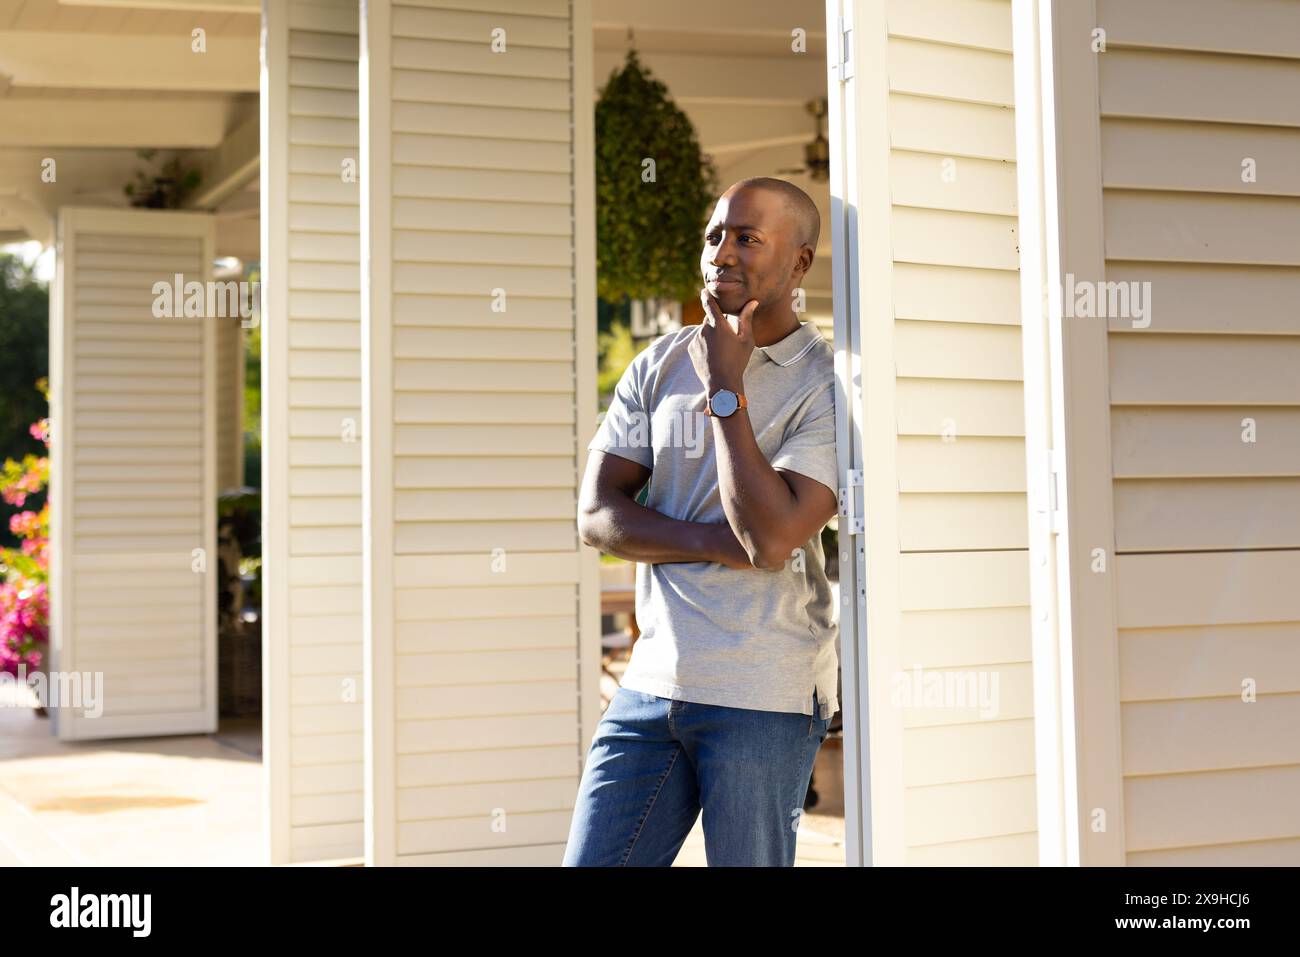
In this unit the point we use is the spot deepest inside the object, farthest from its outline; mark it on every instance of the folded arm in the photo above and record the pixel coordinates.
(611, 520)
(772, 511)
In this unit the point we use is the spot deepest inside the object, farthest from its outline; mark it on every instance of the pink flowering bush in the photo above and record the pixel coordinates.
(24, 592)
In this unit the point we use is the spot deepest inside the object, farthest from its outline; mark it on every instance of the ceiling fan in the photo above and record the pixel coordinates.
(817, 151)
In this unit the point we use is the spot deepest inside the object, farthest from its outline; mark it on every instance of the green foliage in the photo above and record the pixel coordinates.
(831, 551)
(253, 381)
(648, 234)
(165, 189)
(24, 571)
(24, 362)
(242, 508)
(24, 355)
(615, 351)
(239, 550)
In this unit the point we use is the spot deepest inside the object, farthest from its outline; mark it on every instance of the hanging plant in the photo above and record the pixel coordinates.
(166, 189)
(654, 191)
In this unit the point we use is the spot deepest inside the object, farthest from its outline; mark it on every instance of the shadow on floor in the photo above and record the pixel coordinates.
(162, 801)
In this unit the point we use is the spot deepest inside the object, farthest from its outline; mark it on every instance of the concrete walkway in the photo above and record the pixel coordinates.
(183, 801)
(167, 801)
(818, 846)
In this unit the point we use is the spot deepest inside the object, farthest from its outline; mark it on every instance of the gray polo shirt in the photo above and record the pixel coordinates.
(743, 638)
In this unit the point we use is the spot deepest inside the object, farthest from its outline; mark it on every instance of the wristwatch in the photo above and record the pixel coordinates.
(724, 402)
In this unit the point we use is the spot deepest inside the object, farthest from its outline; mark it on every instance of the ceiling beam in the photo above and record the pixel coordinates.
(727, 129)
(109, 61)
(126, 122)
(239, 236)
(34, 219)
(202, 6)
(770, 17)
(724, 151)
(231, 166)
(80, 177)
(769, 162)
(704, 78)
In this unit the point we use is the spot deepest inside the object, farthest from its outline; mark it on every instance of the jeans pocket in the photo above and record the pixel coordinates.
(823, 729)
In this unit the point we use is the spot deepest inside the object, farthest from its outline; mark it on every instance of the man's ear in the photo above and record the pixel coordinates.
(806, 256)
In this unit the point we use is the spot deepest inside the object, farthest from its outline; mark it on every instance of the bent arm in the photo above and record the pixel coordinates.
(611, 520)
(772, 511)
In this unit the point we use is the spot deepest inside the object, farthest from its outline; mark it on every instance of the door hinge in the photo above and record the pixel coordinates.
(851, 503)
(844, 61)
(1051, 506)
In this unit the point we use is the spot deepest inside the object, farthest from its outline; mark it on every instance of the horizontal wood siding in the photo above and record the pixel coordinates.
(1206, 422)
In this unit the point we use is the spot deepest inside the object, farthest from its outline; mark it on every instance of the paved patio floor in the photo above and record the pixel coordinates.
(180, 801)
(170, 801)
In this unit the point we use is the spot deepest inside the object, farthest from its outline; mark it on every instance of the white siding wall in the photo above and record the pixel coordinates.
(1207, 527)
(479, 590)
(133, 473)
(312, 433)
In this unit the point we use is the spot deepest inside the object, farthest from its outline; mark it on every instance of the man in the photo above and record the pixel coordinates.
(732, 684)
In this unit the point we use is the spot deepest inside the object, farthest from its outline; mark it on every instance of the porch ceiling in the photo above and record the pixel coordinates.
(87, 83)
(730, 67)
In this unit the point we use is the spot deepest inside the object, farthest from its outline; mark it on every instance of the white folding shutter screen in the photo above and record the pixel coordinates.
(311, 402)
(133, 474)
(969, 787)
(482, 602)
(934, 371)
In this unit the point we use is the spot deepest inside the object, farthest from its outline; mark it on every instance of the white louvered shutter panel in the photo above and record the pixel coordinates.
(969, 793)
(313, 437)
(933, 171)
(133, 477)
(482, 596)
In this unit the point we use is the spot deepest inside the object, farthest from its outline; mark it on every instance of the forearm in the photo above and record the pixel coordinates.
(621, 527)
(758, 502)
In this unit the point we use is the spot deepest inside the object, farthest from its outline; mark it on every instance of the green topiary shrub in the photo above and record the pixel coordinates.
(649, 224)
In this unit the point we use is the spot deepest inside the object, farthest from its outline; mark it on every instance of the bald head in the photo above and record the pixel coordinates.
(760, 243)
(798, 204)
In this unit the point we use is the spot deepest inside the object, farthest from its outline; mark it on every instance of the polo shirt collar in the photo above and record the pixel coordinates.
(794, 346)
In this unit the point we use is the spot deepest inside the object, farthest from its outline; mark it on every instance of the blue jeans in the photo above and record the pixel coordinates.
(656, 762)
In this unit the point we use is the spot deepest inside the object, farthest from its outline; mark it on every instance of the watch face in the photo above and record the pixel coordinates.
(723, 402)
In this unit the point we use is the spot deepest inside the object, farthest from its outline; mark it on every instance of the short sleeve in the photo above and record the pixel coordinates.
(810, 448)
(625, 430)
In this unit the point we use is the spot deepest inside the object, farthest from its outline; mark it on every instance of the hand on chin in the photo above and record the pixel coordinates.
(732, 303)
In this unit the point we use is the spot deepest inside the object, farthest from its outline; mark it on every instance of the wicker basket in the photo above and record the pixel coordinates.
(239, 670)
